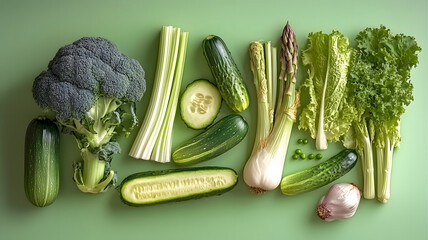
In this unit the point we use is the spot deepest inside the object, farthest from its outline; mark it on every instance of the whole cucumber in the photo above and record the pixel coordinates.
(226, 74)
(214, 141)
(319, 175)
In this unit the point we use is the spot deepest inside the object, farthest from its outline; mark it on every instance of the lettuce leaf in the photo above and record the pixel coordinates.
(331, 109)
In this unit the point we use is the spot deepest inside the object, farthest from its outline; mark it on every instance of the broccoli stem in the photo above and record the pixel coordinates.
(90, 178)
(102, 133)
(93, 169)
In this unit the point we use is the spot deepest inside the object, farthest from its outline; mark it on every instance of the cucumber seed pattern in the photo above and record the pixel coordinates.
(200, 103)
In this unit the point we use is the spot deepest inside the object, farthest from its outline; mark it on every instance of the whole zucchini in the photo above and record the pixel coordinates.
(215, 140)
(319, 175)
(41, 166)
(226, 74)
(153, 187)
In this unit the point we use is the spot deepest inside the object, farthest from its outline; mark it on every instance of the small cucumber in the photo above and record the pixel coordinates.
(215, 140)
(200, 104)
(319, 175)
(153, 187)
(41, 166)
(226, 74)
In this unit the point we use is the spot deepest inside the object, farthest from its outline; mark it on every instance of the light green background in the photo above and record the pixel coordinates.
(32, 31)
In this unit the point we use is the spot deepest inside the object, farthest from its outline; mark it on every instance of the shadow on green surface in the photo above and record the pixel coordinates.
(18, 110)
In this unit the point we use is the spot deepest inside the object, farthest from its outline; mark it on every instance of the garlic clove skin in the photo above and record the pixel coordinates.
(341, 202)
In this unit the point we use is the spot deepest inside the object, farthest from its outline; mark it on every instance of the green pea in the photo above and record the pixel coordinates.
(300, 141)
(295, 156)
(305, 141)
(319, 156)
(302, 156)
(298, 151)
(311, 156)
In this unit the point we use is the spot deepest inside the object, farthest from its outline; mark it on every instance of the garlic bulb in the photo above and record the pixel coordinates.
(341, 202)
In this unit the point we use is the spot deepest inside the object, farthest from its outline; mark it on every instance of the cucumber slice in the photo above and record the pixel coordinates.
(153, 187)
(200, 104)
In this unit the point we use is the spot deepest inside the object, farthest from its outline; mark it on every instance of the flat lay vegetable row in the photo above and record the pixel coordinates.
(356, 96)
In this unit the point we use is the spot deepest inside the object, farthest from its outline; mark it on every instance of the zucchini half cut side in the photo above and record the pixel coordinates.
(173, 185)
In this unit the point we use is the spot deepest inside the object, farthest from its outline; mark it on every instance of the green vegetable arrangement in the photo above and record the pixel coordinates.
(356, 95)
(91, 88)
(331, 110)
(380, 82)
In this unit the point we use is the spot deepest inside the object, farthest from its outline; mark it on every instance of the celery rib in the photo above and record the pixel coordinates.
(153, 141)
(162, 149)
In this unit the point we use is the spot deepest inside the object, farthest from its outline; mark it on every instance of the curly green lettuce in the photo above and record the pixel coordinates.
(379, 79)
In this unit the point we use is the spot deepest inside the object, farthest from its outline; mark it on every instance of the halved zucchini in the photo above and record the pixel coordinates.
(153, 187)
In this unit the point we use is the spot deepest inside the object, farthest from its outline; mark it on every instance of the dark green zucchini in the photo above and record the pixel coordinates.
(226, 74)
(319, 175)
(41, 166)
(215, 140)
(173, 185)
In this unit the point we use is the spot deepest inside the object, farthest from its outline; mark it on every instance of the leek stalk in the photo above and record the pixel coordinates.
(263, 170)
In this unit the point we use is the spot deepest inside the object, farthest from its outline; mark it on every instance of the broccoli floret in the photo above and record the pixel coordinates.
(92, 88)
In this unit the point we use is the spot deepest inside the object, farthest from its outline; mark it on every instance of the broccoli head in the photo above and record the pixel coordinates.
(92, 87)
